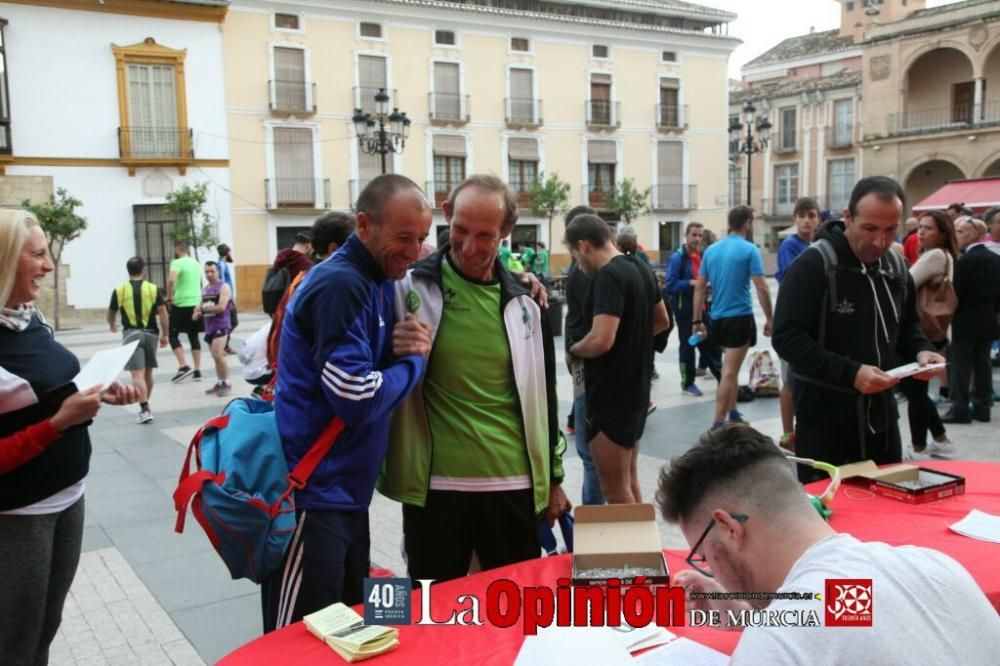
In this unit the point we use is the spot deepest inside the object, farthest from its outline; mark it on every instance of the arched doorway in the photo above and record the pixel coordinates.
(929, 177)
(939, 90)
(992, 170)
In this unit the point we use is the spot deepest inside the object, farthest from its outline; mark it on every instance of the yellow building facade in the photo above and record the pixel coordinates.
(595, 94)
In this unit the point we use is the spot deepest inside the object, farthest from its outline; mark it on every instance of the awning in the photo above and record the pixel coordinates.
(978, 194)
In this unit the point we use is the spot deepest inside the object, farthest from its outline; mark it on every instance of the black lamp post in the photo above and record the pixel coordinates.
(374, 137)
(751, 143)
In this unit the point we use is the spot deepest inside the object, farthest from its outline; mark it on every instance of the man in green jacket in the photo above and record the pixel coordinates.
(475, 451)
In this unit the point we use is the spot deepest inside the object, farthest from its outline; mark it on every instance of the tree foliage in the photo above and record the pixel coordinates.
(549, 195)
(628, 201)
(195, 226)
(61, 224)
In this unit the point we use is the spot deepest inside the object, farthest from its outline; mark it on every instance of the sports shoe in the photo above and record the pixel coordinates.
(916, 456)
(650, 408)
(736, 417)
(196, 376)
(214, 389)
(145, 416)
(945, 449)
(655, 375)
(182, 374)
(224, 390)
(692, 391)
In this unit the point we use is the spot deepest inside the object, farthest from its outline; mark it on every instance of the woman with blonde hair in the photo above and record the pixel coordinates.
(938, 252)
(44, 450)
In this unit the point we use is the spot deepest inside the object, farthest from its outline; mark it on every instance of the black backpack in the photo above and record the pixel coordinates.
(275, 284)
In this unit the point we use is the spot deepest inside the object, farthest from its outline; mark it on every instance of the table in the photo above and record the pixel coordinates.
(855, 511)
(452, 645)
(872, 517)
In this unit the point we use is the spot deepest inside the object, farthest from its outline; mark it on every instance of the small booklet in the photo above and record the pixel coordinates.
(911, 369)
(345, 631)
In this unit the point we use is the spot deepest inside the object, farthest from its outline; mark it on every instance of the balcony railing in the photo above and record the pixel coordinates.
(602, 113)
(305, 194)
(956, 117)
(675, 197)
(524, 198)
(598, 195)
(357, 186)
(448, 108)
(836, 140)
(779, 148)
(438, 192)
(292, 96)
(523, 111)
(672, 116)
(364, 98)
(155, 143)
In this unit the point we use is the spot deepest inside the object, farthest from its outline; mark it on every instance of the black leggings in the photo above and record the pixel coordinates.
(175, 340)
(181, 321)
(922, 413)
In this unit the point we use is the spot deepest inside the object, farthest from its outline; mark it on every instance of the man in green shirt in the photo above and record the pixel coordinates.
(542, 262)
(505, 253)
(528, 257)
(475, 451)
(183, 295)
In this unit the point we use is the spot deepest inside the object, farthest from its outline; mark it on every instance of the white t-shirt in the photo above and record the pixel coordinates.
(926, 609)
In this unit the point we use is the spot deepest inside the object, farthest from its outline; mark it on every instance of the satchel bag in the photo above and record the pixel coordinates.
(936, 304)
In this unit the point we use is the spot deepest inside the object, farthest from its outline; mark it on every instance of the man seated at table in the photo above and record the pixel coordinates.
(753, 529)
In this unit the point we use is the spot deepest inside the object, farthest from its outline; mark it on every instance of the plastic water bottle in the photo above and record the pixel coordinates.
(695, 339)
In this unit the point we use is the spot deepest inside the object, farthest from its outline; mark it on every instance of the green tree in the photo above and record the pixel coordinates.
(61, 224)
(549, 196)
(628, 201)
(195, 226)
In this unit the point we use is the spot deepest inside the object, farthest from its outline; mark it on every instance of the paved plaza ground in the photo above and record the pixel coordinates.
(146, 595)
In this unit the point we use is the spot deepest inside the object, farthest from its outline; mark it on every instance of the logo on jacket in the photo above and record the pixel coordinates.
(449, 295)
(844, 307)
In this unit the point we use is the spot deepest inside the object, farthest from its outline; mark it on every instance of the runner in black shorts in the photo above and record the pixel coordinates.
(627, 310)
(734, 332)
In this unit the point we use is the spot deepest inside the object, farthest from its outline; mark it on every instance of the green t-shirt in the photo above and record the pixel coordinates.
(542, 262)
(471, 399)
(528, 259)
(505, 255)
(187, 289)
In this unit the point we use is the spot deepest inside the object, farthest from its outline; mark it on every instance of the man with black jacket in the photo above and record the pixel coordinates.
(974, 327)
(842, 320)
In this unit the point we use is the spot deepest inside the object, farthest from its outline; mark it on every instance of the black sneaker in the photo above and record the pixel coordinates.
(196, 376)
(182, 374)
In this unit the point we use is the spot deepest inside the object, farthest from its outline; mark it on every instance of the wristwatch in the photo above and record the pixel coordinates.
(696, 322)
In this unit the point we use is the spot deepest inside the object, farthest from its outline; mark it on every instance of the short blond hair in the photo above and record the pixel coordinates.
(14, 227)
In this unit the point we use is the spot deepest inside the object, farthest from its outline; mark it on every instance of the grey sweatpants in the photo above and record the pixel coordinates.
(38, 559)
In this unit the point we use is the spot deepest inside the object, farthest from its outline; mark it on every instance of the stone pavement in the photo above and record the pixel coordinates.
(146, 595)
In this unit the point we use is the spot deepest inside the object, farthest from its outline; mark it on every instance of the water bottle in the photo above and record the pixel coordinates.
(696, 339)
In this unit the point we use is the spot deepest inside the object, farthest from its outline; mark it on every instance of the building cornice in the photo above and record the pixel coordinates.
(208, 11)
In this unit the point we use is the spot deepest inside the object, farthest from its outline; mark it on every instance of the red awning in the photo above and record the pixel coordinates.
(979, 194)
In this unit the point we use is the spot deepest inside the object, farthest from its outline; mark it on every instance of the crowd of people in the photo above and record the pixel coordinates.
(441, 362)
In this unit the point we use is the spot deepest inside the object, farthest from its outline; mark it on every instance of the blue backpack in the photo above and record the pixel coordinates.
(242, 493)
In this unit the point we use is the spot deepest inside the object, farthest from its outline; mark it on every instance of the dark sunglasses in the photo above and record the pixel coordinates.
(696, 559)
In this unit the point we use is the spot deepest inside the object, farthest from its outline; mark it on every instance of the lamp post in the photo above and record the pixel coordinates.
(381, 133)
(751, 143)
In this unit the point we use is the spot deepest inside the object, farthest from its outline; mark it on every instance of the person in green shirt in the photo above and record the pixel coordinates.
(542, 262)
(183, 295)
(528, 257)
(504, 253)
(475, 451)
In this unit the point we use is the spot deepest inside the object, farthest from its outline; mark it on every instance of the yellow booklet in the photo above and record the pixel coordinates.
(345, 631)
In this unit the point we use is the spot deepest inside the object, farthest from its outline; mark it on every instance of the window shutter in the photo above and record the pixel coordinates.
(601, 152)
(669, 163)
(371, 71)
(521, 84)
(449, 145)
(289, 64)
(293, 166)
(370, 166)
(523, 149)
(446, 78)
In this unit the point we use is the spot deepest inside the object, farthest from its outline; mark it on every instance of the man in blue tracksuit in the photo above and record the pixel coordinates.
(682, 271)
(337, 359)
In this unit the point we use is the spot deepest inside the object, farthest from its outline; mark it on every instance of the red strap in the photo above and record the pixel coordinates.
(188, 488)
(298, 477)
(185, 486)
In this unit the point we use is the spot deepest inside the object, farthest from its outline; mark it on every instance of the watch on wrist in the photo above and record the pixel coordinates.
(695, 323)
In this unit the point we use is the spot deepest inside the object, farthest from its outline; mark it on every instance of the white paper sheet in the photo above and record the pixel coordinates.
(103, 367)
(979, 525)
(682, 651)
(572, 646)
(911, 369)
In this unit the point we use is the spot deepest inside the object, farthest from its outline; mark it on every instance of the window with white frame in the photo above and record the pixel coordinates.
(289, 90)
(372, 76)
(789, 130)
(600, 110)
(669, 110)
(600, 51)
(786, 187)
(152, 106)
(843, 122)
(522, 107)
(668, 56)
(449, 165)
(522, 166)
(736, 185)
(370, 30)
(670, 191)
(521, 44)
(445, 38)
(295, 183)
(446, 103)
(287, 22)
(602, 158)
(840, 182)
(5, 145)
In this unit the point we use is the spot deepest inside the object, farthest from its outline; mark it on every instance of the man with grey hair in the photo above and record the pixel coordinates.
(753, 529)
(475, 452)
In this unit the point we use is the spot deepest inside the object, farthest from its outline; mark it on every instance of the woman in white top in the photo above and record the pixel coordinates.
(938, 253)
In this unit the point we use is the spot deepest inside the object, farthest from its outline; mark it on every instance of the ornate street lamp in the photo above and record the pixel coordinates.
(751, 143)
(381, 133)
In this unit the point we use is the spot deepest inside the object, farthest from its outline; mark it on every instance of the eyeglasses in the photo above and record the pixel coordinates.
(696, 559)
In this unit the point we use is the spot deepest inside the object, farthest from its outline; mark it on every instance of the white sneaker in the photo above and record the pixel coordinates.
(915, 456)
(145, 416)
(943, 449)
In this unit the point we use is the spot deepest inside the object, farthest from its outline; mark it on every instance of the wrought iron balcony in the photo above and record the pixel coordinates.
(292, 97)
(303, 194)
(165, 144)
(602, 113)
(364, 98)
(672, 116)
(448, 108)
(675, 197)
(598, 195)
(522, 111)
(955, 117)
(837, 140)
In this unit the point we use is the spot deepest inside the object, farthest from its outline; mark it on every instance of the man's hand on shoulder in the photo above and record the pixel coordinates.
(411, 336)
(872, 380)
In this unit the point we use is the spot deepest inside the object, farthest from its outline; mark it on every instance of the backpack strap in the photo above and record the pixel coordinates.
(298, 477)
(189, 484)
(829, 255)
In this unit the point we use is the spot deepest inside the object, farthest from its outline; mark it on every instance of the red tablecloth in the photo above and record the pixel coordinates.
(856, 511)
(876, 518)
